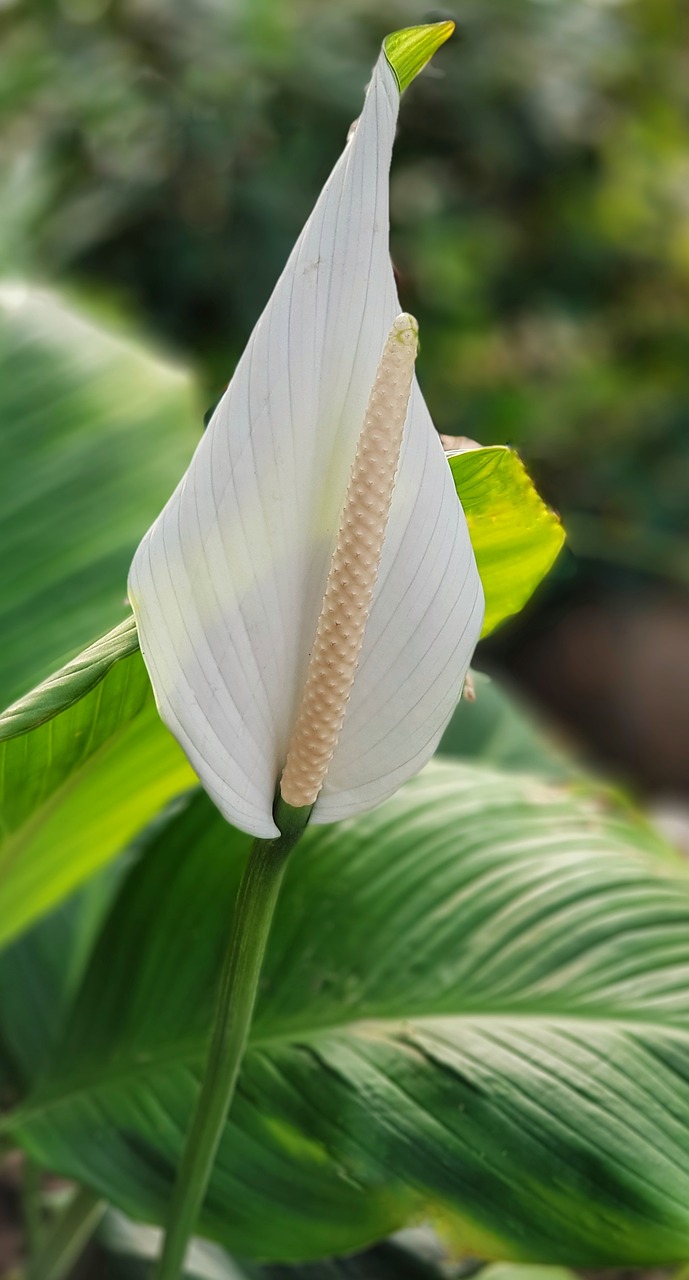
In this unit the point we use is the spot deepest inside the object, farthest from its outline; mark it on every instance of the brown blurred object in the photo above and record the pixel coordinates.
(11, 1231)
(616, 671)
(459, 444)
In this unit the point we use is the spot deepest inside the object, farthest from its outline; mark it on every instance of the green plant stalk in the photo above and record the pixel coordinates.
(31, 1205)
(68, 1236)
(256, 901)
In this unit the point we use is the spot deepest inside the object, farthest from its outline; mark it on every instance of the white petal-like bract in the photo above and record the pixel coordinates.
(227, 584)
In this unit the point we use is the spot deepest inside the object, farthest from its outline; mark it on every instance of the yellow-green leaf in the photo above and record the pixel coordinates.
(409, 50)
(85, 764)
(515, 536)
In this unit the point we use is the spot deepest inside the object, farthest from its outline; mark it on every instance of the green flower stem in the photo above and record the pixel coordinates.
(256, 900)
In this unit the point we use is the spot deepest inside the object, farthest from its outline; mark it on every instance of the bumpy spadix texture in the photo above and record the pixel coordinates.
(228, 584)
(353, 572)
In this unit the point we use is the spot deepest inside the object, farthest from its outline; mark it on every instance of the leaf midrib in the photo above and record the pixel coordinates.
(70, 684)
(185, 1053)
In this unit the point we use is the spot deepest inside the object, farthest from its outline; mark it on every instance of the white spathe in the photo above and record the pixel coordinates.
(227, 584)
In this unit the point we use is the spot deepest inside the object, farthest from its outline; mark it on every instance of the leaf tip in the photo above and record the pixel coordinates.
(409, 50)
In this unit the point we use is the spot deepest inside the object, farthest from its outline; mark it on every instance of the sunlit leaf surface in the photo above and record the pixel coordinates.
(515, 536)
(85, 763)
(409, 50)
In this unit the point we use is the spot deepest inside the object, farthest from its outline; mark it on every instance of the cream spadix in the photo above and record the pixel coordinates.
(353, 571)
(228, 584)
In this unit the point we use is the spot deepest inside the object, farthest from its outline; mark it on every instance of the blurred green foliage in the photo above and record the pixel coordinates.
(167, 153)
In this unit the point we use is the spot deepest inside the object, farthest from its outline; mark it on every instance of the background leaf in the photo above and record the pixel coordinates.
(39, 975)
(85, 763)
(498, 729)
(94, 434)
(475, 1007)
(515, 536)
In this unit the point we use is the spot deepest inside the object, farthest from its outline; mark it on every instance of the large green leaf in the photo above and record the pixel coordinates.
(85, 763)
(94, 435)
(475, 1007)
(515, 536)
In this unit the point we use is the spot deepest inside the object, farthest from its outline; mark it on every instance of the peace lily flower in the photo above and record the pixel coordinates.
(291, 620)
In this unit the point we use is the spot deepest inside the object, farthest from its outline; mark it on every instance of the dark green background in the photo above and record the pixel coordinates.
(163, 157)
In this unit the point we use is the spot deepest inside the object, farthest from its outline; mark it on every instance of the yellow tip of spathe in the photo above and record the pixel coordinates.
(408, 50)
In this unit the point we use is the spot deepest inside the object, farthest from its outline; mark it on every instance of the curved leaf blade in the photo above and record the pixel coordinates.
(474, 1007)
(72, 682)
(85, 763)
(515, 536)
